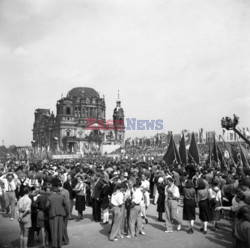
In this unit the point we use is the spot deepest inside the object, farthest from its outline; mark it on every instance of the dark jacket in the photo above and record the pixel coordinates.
(57, 205)
(70, 188)
(97, 189)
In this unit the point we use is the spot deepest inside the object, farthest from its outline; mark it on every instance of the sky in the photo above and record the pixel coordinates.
(185, 62)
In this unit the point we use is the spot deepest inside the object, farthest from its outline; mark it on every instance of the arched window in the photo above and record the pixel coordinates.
(68, 111)
(68, 133)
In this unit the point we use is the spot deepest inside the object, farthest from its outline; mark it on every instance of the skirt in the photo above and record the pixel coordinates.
(80, 202)
(189, 209)
(205, 211)
(105, 203)
(161, 204)
(216, 214)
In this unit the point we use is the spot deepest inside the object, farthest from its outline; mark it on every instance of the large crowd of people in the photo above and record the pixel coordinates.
(42, 196)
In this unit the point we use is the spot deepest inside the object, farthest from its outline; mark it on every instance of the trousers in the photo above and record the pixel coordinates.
(56, 228)
(135, 222)
(10, 202)
(116, 222)
(171, 213)
(96, 205)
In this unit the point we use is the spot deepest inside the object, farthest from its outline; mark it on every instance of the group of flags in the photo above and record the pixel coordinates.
(217, 153)
(182, 156)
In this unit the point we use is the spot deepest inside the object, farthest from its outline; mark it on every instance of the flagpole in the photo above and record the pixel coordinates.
(216, 151)
(210, 159)
(223, 159)
(191, 157)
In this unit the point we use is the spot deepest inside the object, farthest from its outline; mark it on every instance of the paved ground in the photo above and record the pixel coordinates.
(90, 234)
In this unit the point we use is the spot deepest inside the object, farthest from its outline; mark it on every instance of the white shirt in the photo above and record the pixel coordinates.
(117, 198)
(215, 195)
(145, 185)
(172, 191)
(128, 193)
(137, 196)
(25, 183)
(33, 182)
(9, 186)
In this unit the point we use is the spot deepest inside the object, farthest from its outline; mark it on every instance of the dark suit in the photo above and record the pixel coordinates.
(70, 186)
(96, 201)
(58, 209)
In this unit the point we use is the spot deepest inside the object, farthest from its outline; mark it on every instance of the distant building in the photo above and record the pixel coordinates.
(79, 125)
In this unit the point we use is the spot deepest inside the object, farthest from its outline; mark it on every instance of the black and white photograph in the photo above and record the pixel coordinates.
(125, 123)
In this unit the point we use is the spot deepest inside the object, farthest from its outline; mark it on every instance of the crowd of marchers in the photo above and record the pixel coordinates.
(41, 197)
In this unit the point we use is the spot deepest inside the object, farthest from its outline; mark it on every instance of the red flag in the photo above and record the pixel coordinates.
(182, 150)
(193, 153)
(209, 156)
(215, 151)
(171, 155)
(244, 157)
(223, 164)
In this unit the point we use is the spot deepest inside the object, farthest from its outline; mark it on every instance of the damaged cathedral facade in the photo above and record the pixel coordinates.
(79, 126)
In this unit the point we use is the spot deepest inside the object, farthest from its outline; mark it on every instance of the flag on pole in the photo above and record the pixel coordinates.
(223, 164)
(209, 159)
(244, 157)
(187, 136)
(171, 155)
(193, 153)
(215, 151)
(247, 133)
(182, 150)
(244, 132)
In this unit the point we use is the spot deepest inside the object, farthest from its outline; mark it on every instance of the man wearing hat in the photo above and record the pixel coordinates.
(9, 184)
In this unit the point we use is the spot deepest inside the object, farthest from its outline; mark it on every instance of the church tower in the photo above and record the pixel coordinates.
(118, 118)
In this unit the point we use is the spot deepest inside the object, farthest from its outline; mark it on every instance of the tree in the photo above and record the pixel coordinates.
(13, 151)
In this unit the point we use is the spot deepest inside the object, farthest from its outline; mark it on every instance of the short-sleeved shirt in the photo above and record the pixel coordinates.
(117, 198)
(23, 205)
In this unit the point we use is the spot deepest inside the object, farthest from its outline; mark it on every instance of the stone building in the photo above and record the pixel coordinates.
(69, 131)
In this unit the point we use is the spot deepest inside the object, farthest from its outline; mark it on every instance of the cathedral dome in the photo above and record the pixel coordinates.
(83, 92)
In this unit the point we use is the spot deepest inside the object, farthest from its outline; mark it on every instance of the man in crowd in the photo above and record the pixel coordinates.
(135, 222)
(172, 195)
(69, 185)
(9, 185)
(96, 195)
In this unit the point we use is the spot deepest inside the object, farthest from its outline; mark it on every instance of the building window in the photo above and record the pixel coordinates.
(68, 111)
(68, 133)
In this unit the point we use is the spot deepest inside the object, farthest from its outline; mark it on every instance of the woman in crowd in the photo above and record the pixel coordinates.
(80, 190)
(205, 213)
(24, 217)
(161, 199)
(105, 194)
(242, 228)
(127, 203)
(215, 201)
(189, 204)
